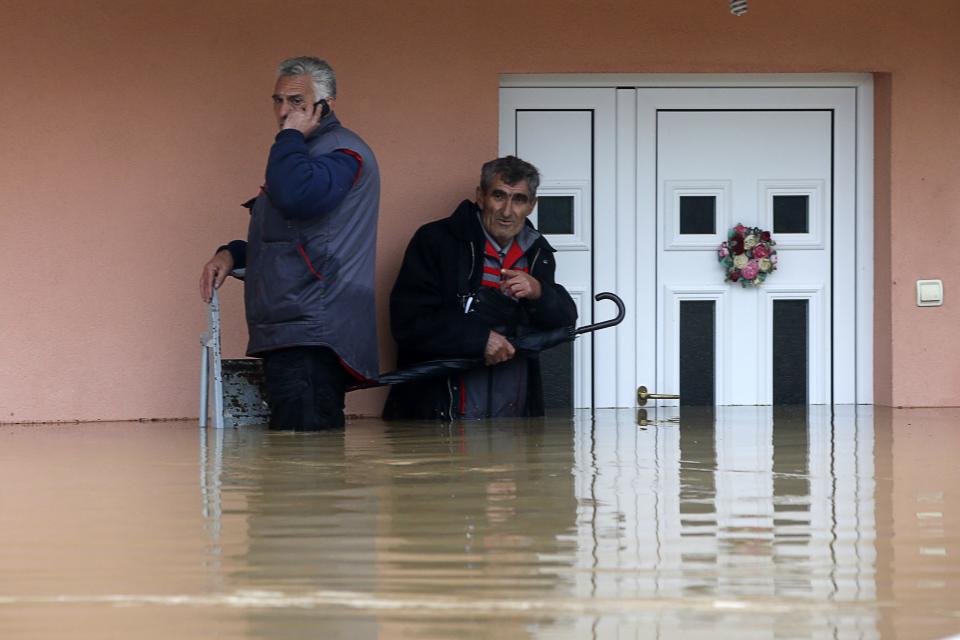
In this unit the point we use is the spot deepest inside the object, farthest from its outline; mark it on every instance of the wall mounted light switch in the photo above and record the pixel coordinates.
(929, 293)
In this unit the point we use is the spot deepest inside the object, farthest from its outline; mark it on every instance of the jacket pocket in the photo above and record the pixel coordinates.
(281, 279)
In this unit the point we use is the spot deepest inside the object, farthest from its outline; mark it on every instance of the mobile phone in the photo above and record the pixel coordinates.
(325, 108)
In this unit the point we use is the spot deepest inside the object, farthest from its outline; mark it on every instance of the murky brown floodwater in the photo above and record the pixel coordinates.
(743, 524)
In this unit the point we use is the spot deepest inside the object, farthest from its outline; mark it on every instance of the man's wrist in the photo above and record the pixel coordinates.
(238, 252)
(289, 132)
(288, 128)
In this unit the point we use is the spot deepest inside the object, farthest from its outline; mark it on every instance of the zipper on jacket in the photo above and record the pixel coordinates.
(533, 264)
(473, 263)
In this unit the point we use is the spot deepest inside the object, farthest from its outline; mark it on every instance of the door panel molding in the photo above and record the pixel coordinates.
(673, 190)
(580, 239)
(816, 191)
(817, 333)
(669, 347)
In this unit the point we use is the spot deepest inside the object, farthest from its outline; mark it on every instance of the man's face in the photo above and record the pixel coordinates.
(292, 92)
(503, 208)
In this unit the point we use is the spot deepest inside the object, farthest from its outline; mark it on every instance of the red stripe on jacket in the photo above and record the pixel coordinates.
(306, 259)
(358, 158)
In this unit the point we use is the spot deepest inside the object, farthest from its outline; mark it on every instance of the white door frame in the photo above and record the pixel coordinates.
(617, 267)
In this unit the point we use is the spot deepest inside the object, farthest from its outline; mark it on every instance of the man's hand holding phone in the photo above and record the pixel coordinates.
(306, 120)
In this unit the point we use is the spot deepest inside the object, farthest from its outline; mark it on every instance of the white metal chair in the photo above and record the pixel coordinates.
(238, 397)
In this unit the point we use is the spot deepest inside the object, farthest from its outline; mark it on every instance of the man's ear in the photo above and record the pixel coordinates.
(480, 197)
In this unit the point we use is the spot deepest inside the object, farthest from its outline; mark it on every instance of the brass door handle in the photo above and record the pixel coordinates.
(643, 395)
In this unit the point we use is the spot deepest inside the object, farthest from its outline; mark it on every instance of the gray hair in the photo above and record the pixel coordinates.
(511, 170)
(324, 80)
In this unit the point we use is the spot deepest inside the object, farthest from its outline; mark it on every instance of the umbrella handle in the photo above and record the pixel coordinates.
(621, 311)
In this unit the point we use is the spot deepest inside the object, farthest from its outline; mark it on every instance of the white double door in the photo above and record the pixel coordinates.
(640, 186)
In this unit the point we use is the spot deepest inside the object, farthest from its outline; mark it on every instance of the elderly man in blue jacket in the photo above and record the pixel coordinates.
(309, 255)
(467, 284)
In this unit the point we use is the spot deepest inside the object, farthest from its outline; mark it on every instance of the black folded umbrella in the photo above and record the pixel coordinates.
(529, 344)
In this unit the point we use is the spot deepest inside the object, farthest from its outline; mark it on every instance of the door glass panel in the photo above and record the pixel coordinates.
(555, 214)
(791, 214)
(790, 337)
(698, 214)
(556, 368)
(697, 352)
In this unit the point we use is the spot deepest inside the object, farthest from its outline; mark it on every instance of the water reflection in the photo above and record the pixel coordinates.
(753, 506)
(737, 522)
(384, 514)
(744, 503)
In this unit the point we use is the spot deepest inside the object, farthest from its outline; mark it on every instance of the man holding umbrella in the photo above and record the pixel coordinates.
(468, 284)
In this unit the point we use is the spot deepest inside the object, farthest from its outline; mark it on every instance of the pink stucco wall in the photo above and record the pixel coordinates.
(132, 130)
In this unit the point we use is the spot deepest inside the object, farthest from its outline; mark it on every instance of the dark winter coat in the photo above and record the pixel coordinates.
(443, 265)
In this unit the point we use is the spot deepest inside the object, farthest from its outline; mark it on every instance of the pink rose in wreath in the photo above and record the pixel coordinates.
(750, 271)
(740, 229)
(724, 252)
(761, 251)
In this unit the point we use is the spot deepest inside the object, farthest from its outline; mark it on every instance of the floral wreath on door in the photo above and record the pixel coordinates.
(748, 255)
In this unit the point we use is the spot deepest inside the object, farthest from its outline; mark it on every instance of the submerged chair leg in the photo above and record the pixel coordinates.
(204, 384)
(217, 368)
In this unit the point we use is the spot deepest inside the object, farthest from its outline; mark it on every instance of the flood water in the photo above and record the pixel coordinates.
(741, 523)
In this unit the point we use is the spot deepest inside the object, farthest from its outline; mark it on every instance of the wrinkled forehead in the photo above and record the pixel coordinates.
(520, 186)
(288, 86)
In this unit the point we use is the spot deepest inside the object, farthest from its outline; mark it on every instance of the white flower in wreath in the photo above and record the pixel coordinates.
(740, 261)
(765, 265)
(750, 242)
